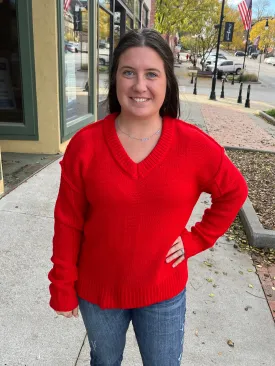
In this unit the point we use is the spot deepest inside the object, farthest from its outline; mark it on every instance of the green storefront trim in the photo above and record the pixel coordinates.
(28, 130)
(68, 129)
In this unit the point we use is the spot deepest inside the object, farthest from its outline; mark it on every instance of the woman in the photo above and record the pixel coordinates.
(128, 186)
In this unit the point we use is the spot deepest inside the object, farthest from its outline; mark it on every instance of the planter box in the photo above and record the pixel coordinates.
(257, 235)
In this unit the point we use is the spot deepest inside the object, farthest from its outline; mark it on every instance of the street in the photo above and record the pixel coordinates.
(261, 92)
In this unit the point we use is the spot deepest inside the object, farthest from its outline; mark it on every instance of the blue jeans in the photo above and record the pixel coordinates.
(159, 330)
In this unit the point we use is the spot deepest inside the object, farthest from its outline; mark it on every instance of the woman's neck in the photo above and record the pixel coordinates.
(139, 127)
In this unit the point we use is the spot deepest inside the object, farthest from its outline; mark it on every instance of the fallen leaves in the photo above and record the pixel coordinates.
(258, 169)
(247, 307)
(209, 280)
(211, 295)
(230, 343)
(250, 286)
(208, 264)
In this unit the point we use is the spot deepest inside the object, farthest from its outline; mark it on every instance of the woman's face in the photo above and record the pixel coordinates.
(140, 82)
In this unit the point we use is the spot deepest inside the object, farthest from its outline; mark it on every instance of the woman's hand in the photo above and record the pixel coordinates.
(68, 314)
(176, 252)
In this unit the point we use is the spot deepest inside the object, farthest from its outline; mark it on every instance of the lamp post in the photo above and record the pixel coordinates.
(214, 78)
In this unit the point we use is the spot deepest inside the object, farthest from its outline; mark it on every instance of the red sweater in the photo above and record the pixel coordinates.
(116, 220)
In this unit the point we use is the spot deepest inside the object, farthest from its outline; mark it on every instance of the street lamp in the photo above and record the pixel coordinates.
(266, 25)
(214, 77)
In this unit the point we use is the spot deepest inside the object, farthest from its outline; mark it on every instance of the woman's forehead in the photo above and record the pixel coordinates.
(144, 57)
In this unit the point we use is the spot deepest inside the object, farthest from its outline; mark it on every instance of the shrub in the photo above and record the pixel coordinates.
(249, 77)
(271, 112)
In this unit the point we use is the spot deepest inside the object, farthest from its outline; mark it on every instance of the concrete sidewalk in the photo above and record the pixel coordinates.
(31, 334)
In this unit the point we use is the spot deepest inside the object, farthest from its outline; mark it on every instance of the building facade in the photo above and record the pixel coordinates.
(54, 62)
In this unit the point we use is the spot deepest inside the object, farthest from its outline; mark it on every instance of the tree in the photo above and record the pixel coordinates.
(267, 37)
(176, 15)
(261, 8)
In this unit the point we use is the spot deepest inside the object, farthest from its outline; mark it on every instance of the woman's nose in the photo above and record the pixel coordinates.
(140, 84)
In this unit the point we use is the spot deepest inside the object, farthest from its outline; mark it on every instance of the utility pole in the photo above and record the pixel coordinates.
(214, 78)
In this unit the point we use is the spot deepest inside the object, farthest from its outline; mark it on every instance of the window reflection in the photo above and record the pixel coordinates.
(105, 3)
(104, 34)
(76, 59)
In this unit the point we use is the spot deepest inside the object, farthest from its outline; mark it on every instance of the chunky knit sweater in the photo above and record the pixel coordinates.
(115, 220)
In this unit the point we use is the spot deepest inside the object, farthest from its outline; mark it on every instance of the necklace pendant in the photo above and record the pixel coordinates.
(145, 139)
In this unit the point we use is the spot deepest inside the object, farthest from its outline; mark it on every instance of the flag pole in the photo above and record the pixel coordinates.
(246, 44)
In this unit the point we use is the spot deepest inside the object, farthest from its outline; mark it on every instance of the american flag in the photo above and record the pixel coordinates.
(67, 3)
(245, 9)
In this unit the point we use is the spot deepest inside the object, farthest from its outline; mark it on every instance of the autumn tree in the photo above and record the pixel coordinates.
(267, 36)
(181, 15)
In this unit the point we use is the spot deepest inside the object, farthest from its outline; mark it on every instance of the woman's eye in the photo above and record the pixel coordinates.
(128, 73)
(151, 75)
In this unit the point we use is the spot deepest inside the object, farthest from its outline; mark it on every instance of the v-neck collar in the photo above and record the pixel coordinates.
(141, 169)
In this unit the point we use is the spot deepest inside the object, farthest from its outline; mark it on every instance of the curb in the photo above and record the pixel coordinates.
(233, 148)
(267, 117)
(257, 235)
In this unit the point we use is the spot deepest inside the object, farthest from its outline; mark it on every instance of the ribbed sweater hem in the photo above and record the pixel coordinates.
(127, 296)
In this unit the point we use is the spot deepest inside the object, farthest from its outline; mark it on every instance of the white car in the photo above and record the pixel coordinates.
(227, 66)
(270, 60)
(103, 56)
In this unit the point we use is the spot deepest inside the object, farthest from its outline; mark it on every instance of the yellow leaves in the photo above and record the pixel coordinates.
(211, 295)
(267, 37)
(250, 286)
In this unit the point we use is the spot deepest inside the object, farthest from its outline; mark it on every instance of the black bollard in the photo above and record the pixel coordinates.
(192, 79)
(247, 102)
(240, 99)
(233, 80)
(195, 86)
(222, 93)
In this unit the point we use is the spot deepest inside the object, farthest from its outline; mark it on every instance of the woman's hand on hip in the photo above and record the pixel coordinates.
(68, 314)
(176, 252)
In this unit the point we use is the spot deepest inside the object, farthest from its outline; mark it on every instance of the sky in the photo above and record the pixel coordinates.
(236, 3)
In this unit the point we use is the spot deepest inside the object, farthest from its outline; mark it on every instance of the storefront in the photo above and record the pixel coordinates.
(54, 62)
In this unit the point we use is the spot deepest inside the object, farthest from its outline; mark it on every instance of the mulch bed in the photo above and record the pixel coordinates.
(258, 169)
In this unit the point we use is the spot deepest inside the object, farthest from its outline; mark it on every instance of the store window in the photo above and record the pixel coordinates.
(145, 20)
(11, 93)
(18, 105)
(76, 53)
(137, 14)
(105, 3)
(130, 4)
(104, 51)
(129, 23)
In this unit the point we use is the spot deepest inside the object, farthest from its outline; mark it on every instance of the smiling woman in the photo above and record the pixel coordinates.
(128, 187)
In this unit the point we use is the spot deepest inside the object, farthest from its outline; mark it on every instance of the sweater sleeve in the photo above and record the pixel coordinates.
(69, 214)
(228, 191)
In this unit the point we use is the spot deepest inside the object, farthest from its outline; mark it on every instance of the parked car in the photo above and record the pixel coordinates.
(103, 56)
(254, 55)
(240, 53)
(227, 67)
(211, 59)
(270, 60)
(69, 46)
